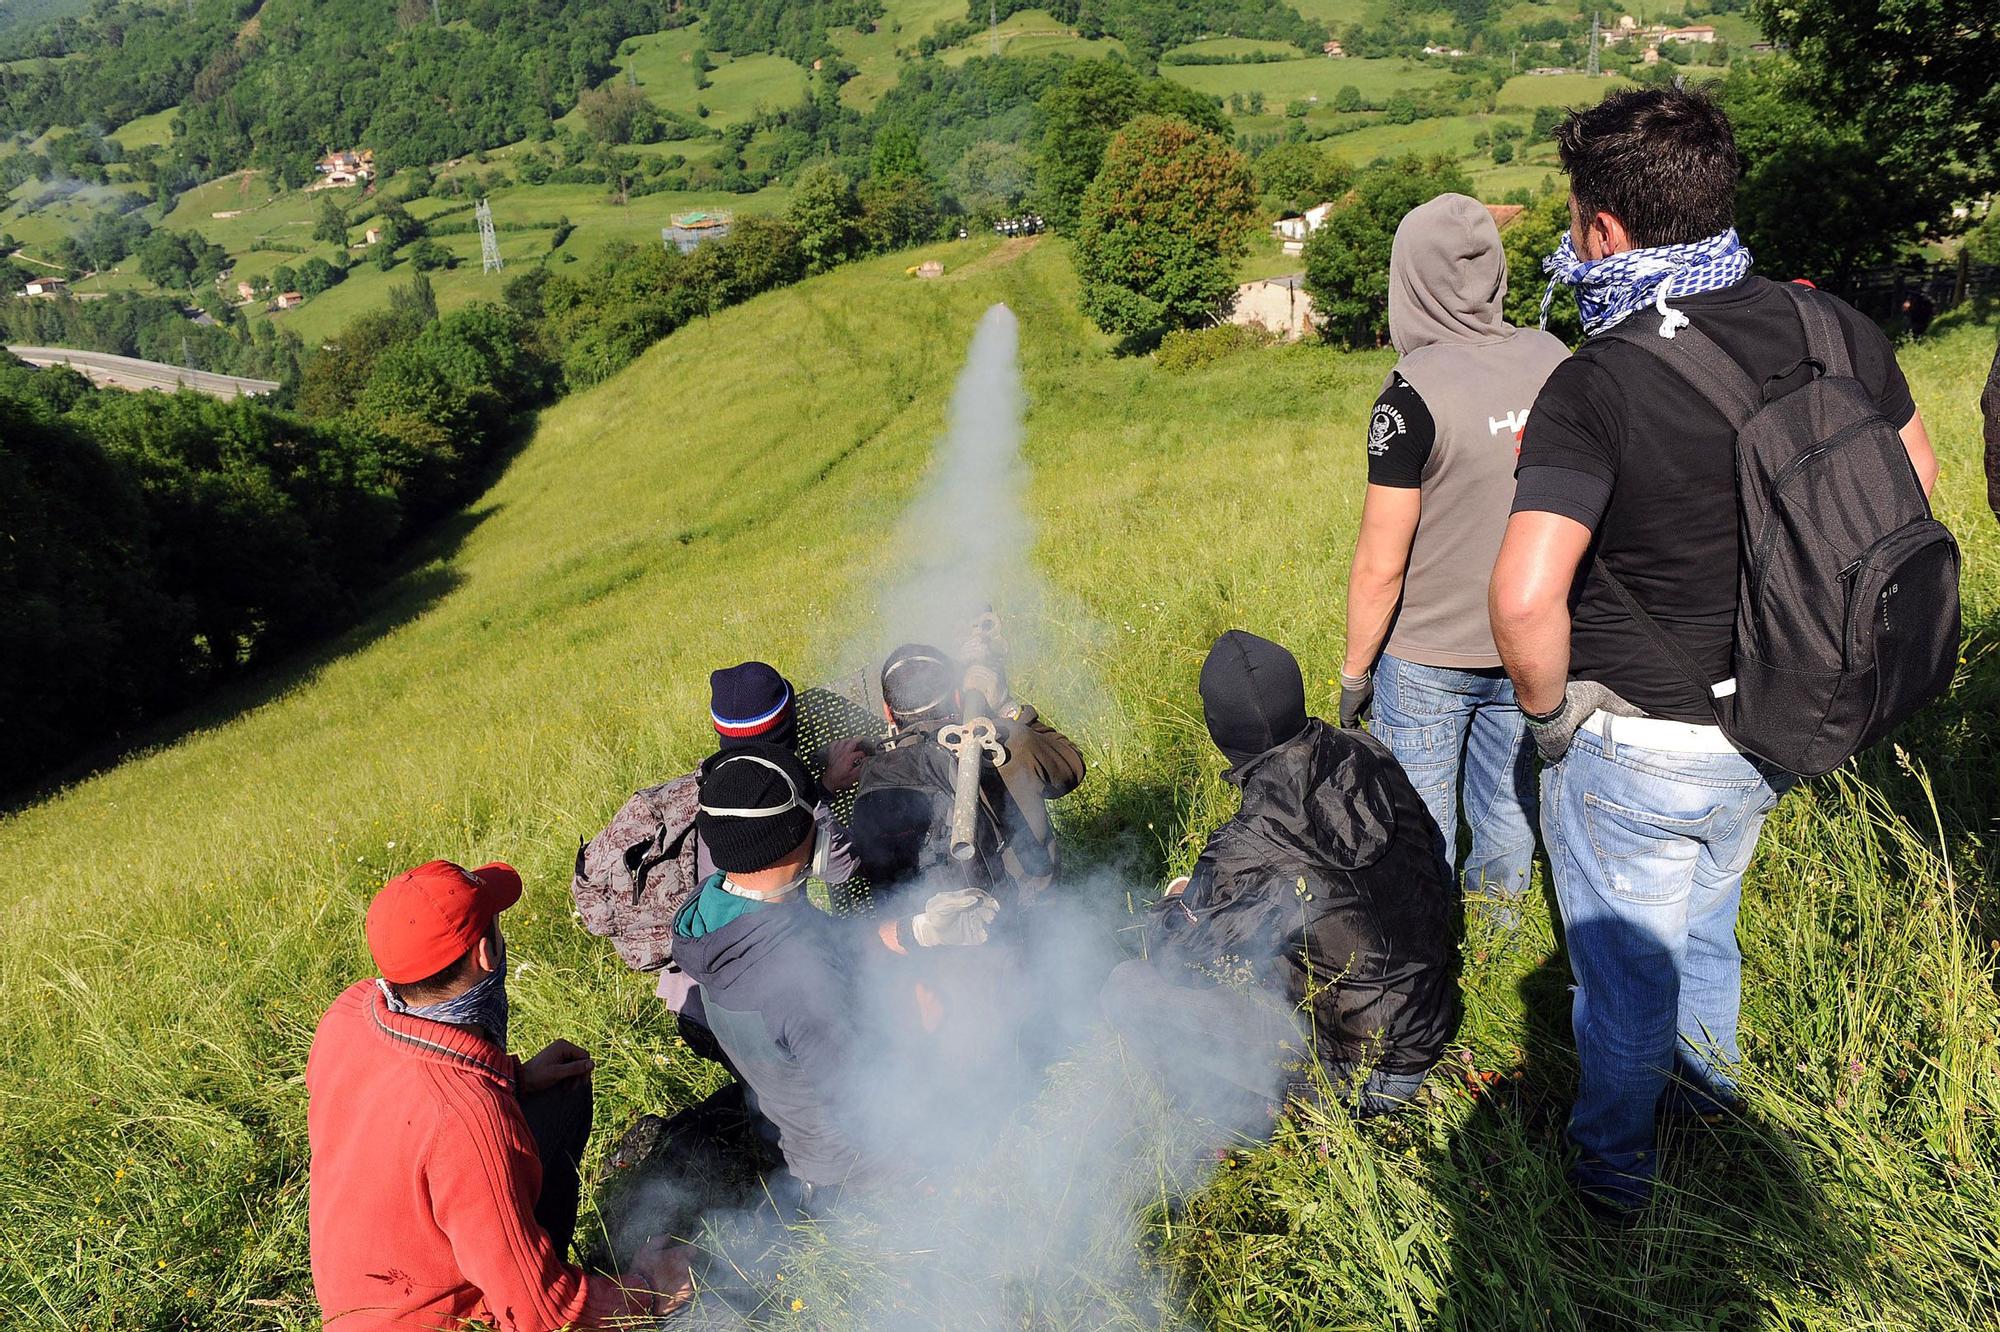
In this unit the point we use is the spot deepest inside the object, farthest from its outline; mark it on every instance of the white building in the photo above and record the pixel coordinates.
(1277, 305)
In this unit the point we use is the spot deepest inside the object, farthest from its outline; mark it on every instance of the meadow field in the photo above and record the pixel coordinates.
(174, 926)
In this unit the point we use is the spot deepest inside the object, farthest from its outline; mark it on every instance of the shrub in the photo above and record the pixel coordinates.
(1188, 349)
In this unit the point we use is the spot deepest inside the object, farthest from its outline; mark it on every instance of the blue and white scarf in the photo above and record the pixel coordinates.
(484, 1005)
(1616, 286)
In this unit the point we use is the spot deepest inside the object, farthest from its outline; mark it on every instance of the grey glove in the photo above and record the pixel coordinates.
(987, 681)
(1357, 696)
(954, 918)
(1580, 698)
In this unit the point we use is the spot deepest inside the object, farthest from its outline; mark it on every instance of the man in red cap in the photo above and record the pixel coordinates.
(444, 1170)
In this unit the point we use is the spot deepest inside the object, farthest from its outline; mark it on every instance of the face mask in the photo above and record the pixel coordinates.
(484, 1005)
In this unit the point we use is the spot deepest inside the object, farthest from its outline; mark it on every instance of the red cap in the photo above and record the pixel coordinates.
(425, 919)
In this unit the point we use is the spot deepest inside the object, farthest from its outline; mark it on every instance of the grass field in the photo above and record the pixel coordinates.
(1236, 46)
(903, 24)
(740, 86)
(1032, 32)
(1532, 90)
(1311, 76)
(153, 131)
(174, 926)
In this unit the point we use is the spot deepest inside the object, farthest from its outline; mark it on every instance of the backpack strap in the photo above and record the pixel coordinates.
(1713, 373)
(1707, 369)
(1666, 642)
(1825, 341)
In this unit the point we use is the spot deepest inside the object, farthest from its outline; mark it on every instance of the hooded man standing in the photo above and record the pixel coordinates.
(444, 1170)
(1326, 888)
(1441, 449)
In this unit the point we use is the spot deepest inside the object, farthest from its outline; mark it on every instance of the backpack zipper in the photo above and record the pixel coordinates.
(1776, 491)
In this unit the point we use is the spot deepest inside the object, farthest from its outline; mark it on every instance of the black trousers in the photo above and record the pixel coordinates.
(559, 1121)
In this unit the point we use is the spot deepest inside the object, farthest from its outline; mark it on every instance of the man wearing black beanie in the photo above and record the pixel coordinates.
(1327, 885)
(781, 980)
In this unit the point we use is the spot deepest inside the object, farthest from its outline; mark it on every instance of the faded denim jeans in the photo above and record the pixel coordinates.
(1648, 850)
(1438, 721)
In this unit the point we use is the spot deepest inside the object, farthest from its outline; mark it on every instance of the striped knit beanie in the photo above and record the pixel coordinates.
(752, 701)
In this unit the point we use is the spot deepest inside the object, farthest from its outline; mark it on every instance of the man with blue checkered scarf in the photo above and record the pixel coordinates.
(1625, 496)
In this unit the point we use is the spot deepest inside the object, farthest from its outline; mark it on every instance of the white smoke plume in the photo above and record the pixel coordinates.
(1033, 1153)
(966, 540)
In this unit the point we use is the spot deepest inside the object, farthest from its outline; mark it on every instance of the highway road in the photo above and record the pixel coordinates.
(127, 372)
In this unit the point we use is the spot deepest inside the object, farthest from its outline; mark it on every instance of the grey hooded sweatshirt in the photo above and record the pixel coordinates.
(1478, 376)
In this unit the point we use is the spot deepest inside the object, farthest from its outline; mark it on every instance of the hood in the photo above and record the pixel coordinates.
(1253, 696)
(1322, 799)
(715, 954)
(1447, 276)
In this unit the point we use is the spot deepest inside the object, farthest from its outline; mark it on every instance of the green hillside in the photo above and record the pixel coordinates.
(174, 926)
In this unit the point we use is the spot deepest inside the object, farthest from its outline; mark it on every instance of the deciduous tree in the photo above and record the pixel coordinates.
(1347, 259)
(1162, 228)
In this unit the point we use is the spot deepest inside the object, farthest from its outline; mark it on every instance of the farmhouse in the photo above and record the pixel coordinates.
(47, 286)
(1334, 51)
(244, 291)
(1504, 214)
(347, 167)
(1277, 305)
(1294, 230)
(288, 299)
(1700, 33)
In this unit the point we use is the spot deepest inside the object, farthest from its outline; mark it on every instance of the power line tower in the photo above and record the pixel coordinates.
(489, 246)
(993, 26)
(436, 18)
(1596, 31)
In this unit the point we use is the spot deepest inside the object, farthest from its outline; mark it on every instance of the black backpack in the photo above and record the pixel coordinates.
(1847, 617)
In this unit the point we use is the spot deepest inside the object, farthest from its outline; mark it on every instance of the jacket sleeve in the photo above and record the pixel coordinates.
(1049, 756)
(1220, 921)
(1989, 406)
(483, 1177)
(841, 857)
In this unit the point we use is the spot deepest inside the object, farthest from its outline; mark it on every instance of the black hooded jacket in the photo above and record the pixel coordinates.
(1328, 885)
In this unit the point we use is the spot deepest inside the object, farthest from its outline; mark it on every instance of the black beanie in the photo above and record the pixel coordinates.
(919, 683)
(768, 799)
(1252, 695)
(752, 702)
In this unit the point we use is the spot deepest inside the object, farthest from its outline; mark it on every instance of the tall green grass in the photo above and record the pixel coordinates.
(174, 926)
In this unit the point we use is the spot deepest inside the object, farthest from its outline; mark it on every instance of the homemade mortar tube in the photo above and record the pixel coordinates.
(971, 741)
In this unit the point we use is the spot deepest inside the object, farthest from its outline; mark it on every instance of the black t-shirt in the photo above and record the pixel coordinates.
(1400, 436)
(1620, 443)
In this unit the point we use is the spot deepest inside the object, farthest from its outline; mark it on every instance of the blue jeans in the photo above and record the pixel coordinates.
(1648, 850)
(1435, 720)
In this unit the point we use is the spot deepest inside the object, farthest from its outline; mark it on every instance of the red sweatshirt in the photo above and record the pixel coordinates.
(424, 1180)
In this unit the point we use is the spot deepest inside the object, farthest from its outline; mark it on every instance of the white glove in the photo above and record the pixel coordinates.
(954, 918)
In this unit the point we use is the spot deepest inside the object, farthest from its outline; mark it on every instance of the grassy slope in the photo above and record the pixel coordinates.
(175, 925)
(1033, 32)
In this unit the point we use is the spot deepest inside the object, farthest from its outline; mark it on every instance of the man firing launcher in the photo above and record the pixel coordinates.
(913, 819)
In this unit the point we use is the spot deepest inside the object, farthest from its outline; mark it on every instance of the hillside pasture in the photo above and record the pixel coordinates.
(741, 85)
(876, 54)
(1233, 46)
(1032, 32)
(1528, 91)
(149, 131)
(1312, 76)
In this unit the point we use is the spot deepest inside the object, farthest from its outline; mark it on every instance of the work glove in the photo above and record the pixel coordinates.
(958, 918)
(1553, 736)
(987, 681)
(1357, 696)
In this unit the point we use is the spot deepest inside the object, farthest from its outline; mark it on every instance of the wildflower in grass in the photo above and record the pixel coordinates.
(798, 1306)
